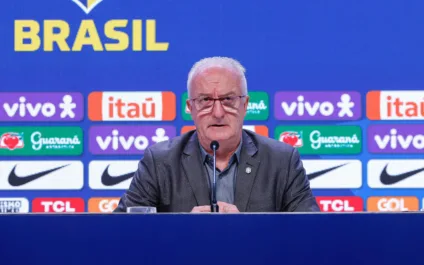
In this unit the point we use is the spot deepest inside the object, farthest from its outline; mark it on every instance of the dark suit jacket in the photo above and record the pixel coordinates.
(172, 178)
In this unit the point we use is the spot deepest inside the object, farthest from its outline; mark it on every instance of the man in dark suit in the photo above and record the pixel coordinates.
(254, 173)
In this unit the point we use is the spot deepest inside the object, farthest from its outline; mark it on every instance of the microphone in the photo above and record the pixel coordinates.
(214, 206)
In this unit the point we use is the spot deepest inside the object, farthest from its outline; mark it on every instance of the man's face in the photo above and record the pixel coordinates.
(217, 120)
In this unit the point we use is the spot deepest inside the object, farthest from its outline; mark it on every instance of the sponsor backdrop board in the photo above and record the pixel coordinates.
(87, 86)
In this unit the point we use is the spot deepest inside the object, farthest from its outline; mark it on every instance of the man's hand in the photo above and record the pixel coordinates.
(223, 208)
(227, 208)
(201, 209)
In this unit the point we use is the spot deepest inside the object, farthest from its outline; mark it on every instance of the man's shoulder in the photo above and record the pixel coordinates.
(171, 147)
(269, 145)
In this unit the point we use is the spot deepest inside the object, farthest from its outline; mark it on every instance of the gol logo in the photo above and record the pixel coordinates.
(392, 204)
(102, 205)
(340, 204)
(259, 129)
(117, 35)
(132, 106)
(58, 205)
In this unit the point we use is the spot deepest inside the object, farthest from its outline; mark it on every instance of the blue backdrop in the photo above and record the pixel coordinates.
(284, 45)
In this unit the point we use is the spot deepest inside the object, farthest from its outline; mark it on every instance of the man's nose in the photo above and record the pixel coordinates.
(218, 111)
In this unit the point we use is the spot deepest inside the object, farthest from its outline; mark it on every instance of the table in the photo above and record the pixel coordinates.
(284, 238)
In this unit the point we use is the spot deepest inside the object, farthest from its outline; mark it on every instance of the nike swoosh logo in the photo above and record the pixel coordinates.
(322, 172)
(16, 180)
(388, 179)
(108, 180)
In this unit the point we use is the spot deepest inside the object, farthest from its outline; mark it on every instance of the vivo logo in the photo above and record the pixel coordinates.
(127, 139)
(399, 138)
(396, 140)
(321, 105)
(41, 106)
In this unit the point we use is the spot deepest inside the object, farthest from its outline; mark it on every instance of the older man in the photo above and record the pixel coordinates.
(254, 173)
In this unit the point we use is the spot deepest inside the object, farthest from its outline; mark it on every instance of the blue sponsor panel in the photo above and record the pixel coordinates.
(118, 70)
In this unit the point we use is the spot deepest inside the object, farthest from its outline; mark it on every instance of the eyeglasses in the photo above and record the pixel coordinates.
(229, 103)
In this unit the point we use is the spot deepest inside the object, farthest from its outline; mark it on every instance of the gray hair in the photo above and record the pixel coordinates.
(223, 62)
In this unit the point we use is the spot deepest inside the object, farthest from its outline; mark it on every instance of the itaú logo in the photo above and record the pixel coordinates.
(114, 35)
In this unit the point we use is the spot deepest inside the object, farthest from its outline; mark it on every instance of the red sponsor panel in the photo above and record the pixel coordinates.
(340, 203)
(58, 205)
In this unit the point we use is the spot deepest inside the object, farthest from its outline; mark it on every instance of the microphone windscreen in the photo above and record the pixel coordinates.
(214, 145)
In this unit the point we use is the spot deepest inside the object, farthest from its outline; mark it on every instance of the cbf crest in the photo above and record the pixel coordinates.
(87, 5)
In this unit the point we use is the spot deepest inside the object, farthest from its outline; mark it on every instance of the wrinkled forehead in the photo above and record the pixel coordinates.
(216, 80)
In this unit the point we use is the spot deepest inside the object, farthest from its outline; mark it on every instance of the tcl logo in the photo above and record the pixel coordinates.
(102, 205)
(58, 205)
(392, 204)
(340, 204)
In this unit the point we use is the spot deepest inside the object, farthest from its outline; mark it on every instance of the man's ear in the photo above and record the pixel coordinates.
(246, 103)
(188, 107)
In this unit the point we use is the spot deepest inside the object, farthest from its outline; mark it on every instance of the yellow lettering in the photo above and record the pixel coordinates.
(56, 35)
(93, 39)
(137, 35)
(32, 35)
(151, 44)
(122, 37)
(60, 38)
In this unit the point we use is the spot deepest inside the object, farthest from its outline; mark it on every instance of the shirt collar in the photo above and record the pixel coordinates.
(236, 154)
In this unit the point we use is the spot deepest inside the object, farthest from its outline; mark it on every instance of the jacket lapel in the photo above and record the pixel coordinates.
(247, 170)
(195, 172)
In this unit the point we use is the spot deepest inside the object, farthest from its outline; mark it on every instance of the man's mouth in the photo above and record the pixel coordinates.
(217, 125)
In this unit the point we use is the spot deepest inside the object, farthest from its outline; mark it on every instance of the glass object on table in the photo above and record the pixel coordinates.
(141, 209)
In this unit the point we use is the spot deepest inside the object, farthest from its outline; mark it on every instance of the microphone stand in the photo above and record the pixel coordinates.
(214, 205)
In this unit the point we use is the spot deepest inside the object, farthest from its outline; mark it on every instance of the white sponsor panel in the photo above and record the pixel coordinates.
(111, 174)
(334, 174)
(14, 205)
(401, 173)
(147, 103)
(41, 175)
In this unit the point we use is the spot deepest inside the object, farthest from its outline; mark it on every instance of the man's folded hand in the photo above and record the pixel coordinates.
(201, 209)
(227, 208)
(223, 208)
